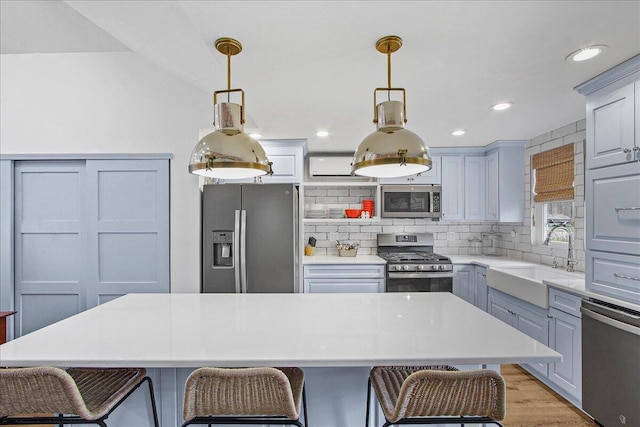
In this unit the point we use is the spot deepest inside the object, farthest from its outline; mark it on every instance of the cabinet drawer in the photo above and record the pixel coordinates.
(613, 198)
(326, 286)
(614, 275)
(343, 271)
(565, 302)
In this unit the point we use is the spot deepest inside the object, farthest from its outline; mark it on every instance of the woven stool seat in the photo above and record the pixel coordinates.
(86, 395)
(413, 395)
(251, 395)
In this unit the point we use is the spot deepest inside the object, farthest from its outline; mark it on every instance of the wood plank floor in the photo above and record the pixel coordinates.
(530, 403)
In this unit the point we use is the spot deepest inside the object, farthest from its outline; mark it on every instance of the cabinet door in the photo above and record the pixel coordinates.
(474, 188)
(288, 164)
(492, 186)
(610, 128)
(324, 286)
(501, 309)
(481, 288)
(537, 327)
(565, 337)
(613, 204)
(463, 283)
(452, 188)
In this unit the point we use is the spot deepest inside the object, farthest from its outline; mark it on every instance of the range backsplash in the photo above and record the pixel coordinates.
(450, 238)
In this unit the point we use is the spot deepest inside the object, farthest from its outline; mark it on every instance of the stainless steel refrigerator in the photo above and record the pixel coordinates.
(250, 238)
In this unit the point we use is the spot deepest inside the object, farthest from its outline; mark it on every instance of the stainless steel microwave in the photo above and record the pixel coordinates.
(412, 201)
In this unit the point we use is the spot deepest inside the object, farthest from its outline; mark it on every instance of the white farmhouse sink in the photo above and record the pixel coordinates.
(526, 281)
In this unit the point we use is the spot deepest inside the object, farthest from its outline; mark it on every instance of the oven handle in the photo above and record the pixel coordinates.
(426, 275)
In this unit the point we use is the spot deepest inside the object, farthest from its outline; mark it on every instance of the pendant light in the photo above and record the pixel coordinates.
(392, 150)
(228, 152)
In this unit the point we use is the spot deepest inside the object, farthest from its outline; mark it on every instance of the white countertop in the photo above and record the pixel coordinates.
(335, 259)
(486, 261)
(323, 330)
(575, 286)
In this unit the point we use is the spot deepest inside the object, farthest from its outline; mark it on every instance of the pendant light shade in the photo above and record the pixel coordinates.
(392, 150)
(228, 152)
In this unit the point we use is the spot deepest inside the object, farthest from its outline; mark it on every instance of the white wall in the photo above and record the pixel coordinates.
(111, 103)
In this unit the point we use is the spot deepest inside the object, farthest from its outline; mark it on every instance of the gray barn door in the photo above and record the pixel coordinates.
(128, 228)
(50, 239)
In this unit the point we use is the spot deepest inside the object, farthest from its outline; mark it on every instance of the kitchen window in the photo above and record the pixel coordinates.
(552, 201)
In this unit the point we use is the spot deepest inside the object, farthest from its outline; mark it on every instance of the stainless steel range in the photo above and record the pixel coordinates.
(411, 264)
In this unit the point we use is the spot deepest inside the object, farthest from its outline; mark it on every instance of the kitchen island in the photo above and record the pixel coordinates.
(336, 338)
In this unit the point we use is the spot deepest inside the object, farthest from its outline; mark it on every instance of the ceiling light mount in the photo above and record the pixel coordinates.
(228, 152)
(392, 150)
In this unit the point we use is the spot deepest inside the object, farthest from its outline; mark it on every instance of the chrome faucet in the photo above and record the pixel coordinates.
(571, 261)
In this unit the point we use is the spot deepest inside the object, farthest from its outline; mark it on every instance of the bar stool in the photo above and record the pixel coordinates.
(437, 395)
(245, 396)
(78, 395)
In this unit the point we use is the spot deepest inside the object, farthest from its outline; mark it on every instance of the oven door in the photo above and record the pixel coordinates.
(419, 282)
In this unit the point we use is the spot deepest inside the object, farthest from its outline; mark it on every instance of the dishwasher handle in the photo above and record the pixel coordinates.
(635, 330)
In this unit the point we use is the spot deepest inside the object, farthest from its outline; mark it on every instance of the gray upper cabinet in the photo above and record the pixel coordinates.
(452, 188)
(613, 115)
(84, 232)
(484, 184)
(610, 127)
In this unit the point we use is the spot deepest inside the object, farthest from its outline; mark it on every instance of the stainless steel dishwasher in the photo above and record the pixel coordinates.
(611, 363)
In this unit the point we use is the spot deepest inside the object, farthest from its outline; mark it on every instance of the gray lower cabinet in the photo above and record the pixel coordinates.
(482, 290)
(464, 283)
(470, 284)
(344, 278)
(525, 317)
(559, 327)
(85, 231)
(565, 337)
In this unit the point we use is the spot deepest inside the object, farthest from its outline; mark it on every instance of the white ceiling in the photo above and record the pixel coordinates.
(312, 65)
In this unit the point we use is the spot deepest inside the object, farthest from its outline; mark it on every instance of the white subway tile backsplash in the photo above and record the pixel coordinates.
(539, 139)
(554, 143)
(564, 131)
(338, 193)
(529, 257)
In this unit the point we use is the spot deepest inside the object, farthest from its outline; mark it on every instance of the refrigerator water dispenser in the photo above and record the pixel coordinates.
(222, 249)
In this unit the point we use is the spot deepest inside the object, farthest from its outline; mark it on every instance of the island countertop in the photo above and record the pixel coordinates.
(307, 330)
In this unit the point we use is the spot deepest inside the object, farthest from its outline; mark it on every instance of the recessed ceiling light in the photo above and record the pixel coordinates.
(586, 53)
(501, 106)
(255, 135)
(322, 133)
(458, 132)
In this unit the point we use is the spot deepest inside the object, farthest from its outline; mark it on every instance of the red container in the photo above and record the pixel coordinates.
(367, 205)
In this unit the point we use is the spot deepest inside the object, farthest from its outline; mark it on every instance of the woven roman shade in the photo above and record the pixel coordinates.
(554, 174)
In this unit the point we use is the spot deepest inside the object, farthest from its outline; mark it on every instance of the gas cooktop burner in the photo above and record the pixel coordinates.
(413, 256)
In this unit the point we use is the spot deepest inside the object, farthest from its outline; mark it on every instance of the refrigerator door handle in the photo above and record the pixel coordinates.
(243, 251)
(236, 250)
